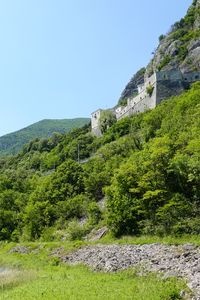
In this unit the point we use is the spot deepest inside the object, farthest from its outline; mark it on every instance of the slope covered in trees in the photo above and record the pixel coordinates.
(147, 168)
(13, 142)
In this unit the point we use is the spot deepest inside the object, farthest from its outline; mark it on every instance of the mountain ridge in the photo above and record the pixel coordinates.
(13, 142)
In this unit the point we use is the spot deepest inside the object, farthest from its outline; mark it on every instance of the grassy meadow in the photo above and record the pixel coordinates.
(39, 275)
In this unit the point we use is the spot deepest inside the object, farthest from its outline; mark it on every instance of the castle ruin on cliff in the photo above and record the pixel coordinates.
(161, 85)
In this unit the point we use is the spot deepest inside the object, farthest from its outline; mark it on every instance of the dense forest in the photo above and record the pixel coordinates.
(141, 177)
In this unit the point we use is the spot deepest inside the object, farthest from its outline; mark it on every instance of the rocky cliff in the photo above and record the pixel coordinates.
(131, 87)
(179, 48)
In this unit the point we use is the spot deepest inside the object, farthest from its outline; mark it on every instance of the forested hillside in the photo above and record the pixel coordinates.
(141, 177)
(13, 142)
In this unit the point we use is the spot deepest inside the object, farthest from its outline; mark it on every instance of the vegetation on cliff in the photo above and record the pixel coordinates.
(180, 47)
(131, 88)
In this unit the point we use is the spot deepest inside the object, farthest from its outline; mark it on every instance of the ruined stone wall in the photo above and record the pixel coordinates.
(146, 103)
(151, 80)
(165, 85)
(191, 77)
(141, 102)
(172, 75)
(168, 88)
(96, 131)
(143, 105)
(173, 83)
(95, 122)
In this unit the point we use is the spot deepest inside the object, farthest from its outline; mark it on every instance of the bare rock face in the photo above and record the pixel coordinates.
(194, 44)
(193, 57)
(180, 48)
(192, 62)
(131, 87)
(173, 48)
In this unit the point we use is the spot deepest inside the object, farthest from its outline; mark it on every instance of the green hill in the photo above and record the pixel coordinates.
(147, 167)
(141, 177)
(12, 143)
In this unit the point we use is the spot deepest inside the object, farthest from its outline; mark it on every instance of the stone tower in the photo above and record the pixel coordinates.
(95, 117)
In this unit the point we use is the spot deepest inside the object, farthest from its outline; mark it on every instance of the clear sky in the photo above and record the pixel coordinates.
(67, 58)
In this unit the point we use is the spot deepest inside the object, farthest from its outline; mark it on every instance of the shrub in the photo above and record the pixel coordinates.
(149, 90)
(164, 62)
(161, 37)
(107, 119)
(75, 231)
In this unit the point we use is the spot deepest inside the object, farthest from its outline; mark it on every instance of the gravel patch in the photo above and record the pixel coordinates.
(180, 261)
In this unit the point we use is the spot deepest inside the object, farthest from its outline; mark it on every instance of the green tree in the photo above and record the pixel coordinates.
(107, 119)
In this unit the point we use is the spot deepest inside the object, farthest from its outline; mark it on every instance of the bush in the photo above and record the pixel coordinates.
(107, 119)
(149, 90)
(161, 37)
(188, 226)
(164, 62)
(94, 213)
(75, 231)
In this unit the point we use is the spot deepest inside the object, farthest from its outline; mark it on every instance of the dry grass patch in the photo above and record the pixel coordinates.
(11, 277)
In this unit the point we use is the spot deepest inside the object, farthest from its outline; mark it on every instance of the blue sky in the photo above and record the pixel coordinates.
(66, 58)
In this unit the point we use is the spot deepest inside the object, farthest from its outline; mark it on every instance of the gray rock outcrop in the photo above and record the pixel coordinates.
(132, 85)
(180, 47)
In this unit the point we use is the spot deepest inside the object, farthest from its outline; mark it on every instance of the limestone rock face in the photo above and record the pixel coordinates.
(193, 56)
(180, 48)
(131, 87)
(192, 61)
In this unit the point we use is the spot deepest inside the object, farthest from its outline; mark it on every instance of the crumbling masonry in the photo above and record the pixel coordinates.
(161, 85)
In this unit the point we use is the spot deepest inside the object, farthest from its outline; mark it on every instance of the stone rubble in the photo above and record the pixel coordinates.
(182, 261)
(20, 250)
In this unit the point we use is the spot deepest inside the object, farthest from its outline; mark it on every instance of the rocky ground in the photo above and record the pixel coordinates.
(181, 261)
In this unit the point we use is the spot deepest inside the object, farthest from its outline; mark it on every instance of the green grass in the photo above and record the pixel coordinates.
(78, 282)
(140, 240)
(39, 276)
